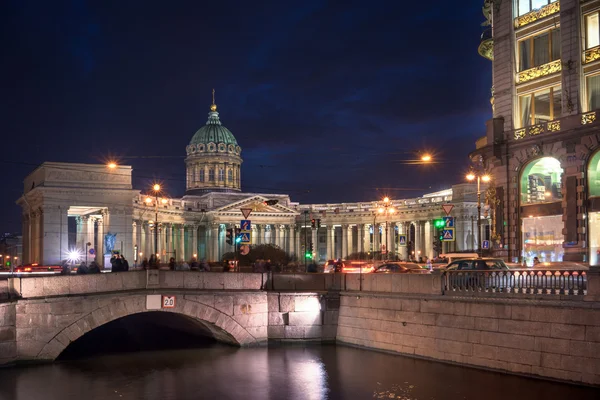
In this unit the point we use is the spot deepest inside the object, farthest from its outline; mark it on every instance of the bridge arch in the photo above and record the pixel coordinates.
(224, 327)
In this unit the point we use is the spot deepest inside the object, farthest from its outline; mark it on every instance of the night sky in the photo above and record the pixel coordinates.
(326, 99)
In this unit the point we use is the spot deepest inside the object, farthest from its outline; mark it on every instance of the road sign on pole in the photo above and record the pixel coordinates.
(448, 235)
(246, 237)
(245, 225)
(448, 222)
(402, 240)
(246, 212)
(447, 208)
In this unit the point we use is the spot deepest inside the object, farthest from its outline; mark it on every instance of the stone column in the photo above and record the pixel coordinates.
(215, 238)
(428, 239)
(330, 240)
(181, 244)
(366, 238)
(260, 229)
(418, 240)
(291, 240)
(79, 234)
(344, 240)
(299, 239)
(376, 238)
(275, 231)
(134, 241)
(169, 240)
(384, 236)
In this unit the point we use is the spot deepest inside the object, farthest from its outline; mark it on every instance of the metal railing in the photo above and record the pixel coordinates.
(536, 282)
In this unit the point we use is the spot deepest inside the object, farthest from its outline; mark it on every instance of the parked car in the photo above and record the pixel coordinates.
(401, 268)
(333, 266)
(477, 264)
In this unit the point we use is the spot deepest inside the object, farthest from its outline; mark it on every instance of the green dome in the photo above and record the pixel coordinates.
(213, 132)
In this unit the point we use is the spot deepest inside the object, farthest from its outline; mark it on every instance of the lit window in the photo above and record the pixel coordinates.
(593, 92)
(541, 181)
(592, 31)
(525, 6)
(221, 175)
(211, 175)
(539, 50)
(202, 175)
(541, 106)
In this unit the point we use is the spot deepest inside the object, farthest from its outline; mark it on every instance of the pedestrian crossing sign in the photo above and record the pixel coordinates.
(246, 237)
(402, 240)
(448, 235)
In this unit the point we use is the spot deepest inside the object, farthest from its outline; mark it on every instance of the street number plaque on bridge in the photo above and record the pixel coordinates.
(168, 302)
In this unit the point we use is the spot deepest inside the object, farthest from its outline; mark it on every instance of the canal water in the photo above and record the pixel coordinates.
(217, 371)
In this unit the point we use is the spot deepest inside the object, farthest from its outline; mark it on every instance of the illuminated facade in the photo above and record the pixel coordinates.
(91, 210)
(542, 145)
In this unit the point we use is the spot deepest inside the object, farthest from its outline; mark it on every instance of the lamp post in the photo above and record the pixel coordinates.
(156, 189)
(485, 178)
(385, 208)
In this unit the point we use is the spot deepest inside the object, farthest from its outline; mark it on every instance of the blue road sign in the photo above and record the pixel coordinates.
(402, 240)
(448, 222)
(245, 225)
(246, 237)
(92, 251)
(485, 244)
(448, 235)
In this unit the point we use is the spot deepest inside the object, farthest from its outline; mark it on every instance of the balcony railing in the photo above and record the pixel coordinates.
(535, 282)
(592, 54)
(536, 15)
(537, 72)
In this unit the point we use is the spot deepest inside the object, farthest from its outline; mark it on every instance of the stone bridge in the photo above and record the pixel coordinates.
(51, 312)
(541, 334)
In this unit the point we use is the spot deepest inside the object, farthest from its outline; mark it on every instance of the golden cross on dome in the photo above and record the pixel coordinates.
(213, 107)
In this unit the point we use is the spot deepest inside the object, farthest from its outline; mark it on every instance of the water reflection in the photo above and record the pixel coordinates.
(316, 372)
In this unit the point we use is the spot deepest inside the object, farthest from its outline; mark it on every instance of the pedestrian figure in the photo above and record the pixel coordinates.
(536, 261)
(153, 263)
(194, 266)
(172, 264)
(94, 268)
(124, 264)
(83, 269)
(204, 266)
(145, 263)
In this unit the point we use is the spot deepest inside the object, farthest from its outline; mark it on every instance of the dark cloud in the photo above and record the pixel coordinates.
(326, 98)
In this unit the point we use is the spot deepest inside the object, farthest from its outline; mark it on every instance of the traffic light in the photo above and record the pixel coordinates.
(309, 252)
(229, 235)
(318, 223)
(439, 223)
(313, 223)
(238, 238)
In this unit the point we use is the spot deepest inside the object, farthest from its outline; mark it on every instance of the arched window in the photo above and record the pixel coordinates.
(230, 175)
(541, 181)
(594, 175)
(202, 175)
(211, 175)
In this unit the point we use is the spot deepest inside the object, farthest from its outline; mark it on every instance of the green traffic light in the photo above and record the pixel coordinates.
(308, 255)
(238, 239)
(439, 223)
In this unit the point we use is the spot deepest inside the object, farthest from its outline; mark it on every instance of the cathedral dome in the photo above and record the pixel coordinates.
(213, 158)
(213, 138)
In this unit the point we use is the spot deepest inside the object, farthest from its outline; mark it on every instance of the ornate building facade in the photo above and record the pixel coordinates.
(93, 210)
(543, 145)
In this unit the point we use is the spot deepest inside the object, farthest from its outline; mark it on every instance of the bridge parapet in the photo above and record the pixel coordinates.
(49, 286)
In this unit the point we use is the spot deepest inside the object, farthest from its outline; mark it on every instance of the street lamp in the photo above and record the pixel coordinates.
(485, 178)
(385, 208)
(156, 188)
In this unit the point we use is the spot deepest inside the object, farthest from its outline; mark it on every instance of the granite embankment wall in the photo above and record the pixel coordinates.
(537, 336)
(8, 343)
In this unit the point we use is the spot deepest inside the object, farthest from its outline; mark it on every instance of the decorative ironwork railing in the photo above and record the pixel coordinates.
(515, 281)
(537, 72)
(535, 15)
(591, 54)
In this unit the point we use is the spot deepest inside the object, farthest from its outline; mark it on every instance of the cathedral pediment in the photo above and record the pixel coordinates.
(259, 205)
